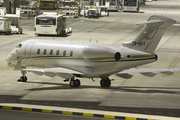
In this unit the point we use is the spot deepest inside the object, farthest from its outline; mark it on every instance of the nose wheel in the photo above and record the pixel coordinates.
(22, 79)
(75, 83)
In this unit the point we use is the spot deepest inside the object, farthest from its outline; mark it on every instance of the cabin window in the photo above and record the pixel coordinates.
(45, 50)
(38, 51)
(71, 53)
(64, 52)
(51, 52)
(45, 21)
(57, 52)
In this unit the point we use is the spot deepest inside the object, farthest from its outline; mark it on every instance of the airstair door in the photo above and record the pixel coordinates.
(28, 54)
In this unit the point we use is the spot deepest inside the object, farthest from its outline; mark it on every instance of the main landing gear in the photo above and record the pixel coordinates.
(74, 82)
(105, 82)
(23, 78)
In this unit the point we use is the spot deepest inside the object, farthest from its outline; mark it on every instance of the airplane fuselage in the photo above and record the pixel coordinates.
(92, 59)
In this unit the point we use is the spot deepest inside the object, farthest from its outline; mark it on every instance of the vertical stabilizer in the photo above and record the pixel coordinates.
(150, 35)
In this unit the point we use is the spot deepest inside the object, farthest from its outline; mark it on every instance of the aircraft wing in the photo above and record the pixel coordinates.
(52, 72)
(146, 72)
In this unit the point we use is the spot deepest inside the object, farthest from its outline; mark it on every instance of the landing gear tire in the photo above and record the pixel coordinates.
(105, 82)
(72, 83)
(22, 79)
(108, 83)
(75, 83)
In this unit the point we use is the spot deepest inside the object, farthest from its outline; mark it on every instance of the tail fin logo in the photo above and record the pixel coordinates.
(148, 38)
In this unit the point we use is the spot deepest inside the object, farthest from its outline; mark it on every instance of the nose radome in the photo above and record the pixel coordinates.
(8, 57)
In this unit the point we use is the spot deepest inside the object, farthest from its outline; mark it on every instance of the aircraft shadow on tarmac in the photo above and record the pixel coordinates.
(147, 90)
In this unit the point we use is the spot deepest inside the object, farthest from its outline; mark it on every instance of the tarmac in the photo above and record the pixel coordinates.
(156, 96)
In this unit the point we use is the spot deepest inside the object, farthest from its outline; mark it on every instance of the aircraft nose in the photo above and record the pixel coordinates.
(12, 55)
(9, 57)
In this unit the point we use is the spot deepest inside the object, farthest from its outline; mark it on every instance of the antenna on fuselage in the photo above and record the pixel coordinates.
(90, 40)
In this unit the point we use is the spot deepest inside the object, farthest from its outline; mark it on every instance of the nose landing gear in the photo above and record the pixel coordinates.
(23, 78)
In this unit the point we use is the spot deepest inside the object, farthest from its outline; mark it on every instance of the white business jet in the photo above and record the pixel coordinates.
(70, 60)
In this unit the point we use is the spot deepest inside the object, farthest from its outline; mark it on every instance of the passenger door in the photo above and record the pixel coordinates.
(27, 54)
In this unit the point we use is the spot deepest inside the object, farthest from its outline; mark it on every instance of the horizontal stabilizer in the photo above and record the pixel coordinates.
(151, 22)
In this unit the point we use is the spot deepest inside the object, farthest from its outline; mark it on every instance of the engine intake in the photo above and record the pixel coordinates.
(117, 56)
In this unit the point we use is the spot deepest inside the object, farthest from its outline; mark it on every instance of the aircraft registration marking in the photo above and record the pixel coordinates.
(138, 43)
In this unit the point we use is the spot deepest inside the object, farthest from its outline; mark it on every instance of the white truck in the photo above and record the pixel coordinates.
(51, 23)
(9, 23)
(5, 25)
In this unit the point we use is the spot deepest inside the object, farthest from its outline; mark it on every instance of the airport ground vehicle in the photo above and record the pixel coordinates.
(31, 8)
(94, 13)
(130, 5)
(5, 25)
(51, 23)
(114, 5)
(9, 23)
(48, 4)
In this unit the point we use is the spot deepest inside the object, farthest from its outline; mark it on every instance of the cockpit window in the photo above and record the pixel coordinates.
(19, 46)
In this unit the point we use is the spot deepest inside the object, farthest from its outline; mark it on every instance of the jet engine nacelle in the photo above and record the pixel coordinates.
(100, 53)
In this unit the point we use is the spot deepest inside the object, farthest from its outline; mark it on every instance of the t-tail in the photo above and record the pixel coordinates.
(148, 38)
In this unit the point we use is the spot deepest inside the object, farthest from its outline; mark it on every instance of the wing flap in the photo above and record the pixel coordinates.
(65, 75)
(52, 72)
(37, 72)
(125, 75)
(167, 72)
(147, 72)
